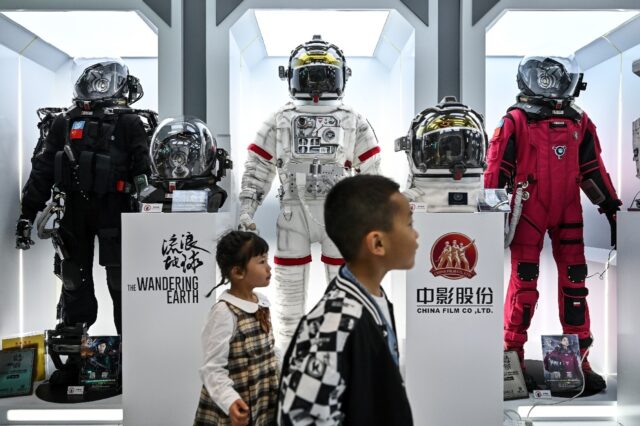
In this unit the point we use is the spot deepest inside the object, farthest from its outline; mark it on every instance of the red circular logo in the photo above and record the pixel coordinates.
(454, 256)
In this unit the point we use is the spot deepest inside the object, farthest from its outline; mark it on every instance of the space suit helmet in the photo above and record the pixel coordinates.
(448, 139)
(550, 77)
(317, 70)
(182, 148)
(107, 83)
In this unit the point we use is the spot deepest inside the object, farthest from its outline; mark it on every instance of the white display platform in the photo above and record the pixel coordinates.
(168, 265)
(601, 407)
(454, 352)
(629, 318)
(33, 406)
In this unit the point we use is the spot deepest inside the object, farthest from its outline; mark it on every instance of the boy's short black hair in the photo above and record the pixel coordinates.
(356, 206)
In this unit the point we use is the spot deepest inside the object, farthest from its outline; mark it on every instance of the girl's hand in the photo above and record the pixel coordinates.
(239, 413)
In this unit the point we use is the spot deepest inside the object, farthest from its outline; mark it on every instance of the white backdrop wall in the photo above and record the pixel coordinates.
(169, 40)
(40, 294)
(28, 87)
(8, 211)
(601, 102)
(501, 87)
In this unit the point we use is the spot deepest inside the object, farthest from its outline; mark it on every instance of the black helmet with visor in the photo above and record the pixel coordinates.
(550, 77)
(107, 83)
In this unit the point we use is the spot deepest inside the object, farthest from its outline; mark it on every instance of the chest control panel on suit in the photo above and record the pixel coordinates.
(316, 136)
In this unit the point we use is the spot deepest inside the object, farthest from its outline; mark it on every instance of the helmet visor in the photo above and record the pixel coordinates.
(317, 68)
(317, 79)
(445, 148)
(101, 81)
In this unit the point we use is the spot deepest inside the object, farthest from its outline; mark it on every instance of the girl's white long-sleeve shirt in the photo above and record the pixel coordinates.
(217, 333)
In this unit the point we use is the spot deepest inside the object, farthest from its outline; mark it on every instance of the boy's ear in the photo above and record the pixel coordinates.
(374, 243)
(237, 272)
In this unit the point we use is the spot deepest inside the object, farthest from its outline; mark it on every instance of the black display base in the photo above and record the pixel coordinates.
(58, 394)
(536, 370)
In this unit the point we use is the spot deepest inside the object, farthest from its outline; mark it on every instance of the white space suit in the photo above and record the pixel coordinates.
(311, 143)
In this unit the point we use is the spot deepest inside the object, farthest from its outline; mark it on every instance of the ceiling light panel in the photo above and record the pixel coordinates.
(356, 32)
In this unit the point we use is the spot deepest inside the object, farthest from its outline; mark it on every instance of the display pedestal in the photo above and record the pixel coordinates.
(628, 318)
(58, 394)
(168, 265)
(454, 361)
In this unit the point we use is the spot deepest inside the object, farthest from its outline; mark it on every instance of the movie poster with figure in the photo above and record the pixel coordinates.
(561, 362)
(100, 361)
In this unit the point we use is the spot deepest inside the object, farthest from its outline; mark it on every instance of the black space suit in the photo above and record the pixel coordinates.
(109, 149)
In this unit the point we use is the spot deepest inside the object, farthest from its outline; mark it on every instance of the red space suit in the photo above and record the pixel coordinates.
(551, 149)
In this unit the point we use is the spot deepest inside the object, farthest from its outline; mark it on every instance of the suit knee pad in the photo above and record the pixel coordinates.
(528, 271)
(577, 273)
(71, 275)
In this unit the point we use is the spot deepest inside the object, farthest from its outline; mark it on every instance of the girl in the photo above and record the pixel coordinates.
(240, 370)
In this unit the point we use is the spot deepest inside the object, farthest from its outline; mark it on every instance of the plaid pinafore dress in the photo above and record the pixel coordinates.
(252, 367)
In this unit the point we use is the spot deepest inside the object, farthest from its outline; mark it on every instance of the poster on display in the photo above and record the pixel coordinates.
(561, 362)
(100, 361)
(454, 319)
(168, 266)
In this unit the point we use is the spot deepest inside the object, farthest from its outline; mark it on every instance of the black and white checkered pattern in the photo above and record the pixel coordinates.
(312, 382)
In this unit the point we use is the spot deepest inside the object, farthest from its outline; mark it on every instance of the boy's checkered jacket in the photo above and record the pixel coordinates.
(338, 368)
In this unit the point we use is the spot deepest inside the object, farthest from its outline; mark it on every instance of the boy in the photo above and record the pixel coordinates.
(342, 364)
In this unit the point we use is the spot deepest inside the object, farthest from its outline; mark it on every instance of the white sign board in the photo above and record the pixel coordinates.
(628, 317)
(454, 355)
(168, 266)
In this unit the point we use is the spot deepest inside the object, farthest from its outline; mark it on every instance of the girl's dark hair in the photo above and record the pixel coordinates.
(236, 248)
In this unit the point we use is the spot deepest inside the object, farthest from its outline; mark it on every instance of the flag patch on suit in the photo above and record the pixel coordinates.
(77, 129)
(498, 129)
